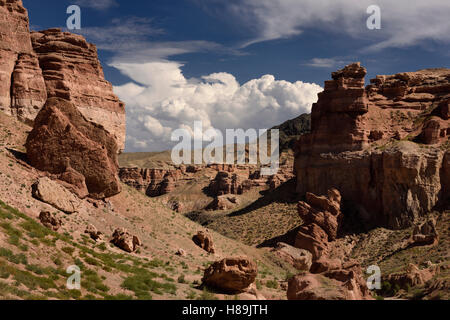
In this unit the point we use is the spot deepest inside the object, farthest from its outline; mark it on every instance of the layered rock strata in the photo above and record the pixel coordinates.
(369, 142)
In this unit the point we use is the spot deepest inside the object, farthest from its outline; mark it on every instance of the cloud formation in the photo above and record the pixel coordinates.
(163, 99)
(404, 22)
(326, 62)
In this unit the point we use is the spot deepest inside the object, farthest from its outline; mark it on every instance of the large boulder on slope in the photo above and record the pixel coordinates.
(63, 140)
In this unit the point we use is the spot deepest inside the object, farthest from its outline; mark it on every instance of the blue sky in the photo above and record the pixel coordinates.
(176, 61)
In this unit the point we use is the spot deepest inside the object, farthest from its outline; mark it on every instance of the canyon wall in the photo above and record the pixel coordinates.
(39, 65)
(384, 147)
(72, 71)
(53, 81)
(22, 87)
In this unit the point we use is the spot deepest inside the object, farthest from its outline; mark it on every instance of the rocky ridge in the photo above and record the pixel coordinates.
(369, 143)
(41, 74)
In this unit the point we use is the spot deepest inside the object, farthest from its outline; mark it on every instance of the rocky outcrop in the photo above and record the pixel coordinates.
(40, 65)
(63, 140)
(227, 183)
(229, 179)
(124, 240)
(44, 69)
(231, 274)
(72, 71)
(354, 144)
(413, 276)
(22, 87)
(236, 181)
(329, 278)
(300, 259)
(204, 240)
(152, 182)
(425, 233)
(321, 217)
(342, 284)
(223, 203)
(54, 194)
(93, 232)
(50, 221)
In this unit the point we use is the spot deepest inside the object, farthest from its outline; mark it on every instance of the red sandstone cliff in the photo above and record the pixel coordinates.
(54, 81)
(384, 146)
(72, 71)
(22, 87)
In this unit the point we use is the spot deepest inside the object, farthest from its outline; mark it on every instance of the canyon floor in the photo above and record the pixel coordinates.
(34, 259)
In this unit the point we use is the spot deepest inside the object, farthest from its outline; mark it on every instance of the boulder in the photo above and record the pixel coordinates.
(124, 240)
(93, 232)
(181, 253)
(298, 258)
(54, 194)
(50, 221)
(63, 140)
(231, 274)
(204, 240)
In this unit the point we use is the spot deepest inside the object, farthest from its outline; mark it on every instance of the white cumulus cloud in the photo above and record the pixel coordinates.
(162, 99)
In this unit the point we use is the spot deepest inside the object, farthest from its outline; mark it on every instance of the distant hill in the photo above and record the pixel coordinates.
(292, 129)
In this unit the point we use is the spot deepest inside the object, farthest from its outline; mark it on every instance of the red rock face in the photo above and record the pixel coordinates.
(237, 180)
(352, 145)
(321, 217)
(153, 182)
(22, 87)
(36, 69)
(72, 71)
(63, 141)
(231, 274)
(204, 240)
(342, 284)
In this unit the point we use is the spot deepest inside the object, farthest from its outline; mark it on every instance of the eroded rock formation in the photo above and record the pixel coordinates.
(365, 141)
(342, 284)
(299, 258)
(50, 221)
(321, 217)
(22, 86)
(152, 182)
(39, 68)
(72, 71)
(413, 276)
(56, 195)
(126, 241)
(329, 278)
(204, 240)
(425, 233)
(63, 141)
(231, 274)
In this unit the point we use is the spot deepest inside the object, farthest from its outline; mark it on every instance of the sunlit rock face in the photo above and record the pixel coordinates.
(384, 146)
